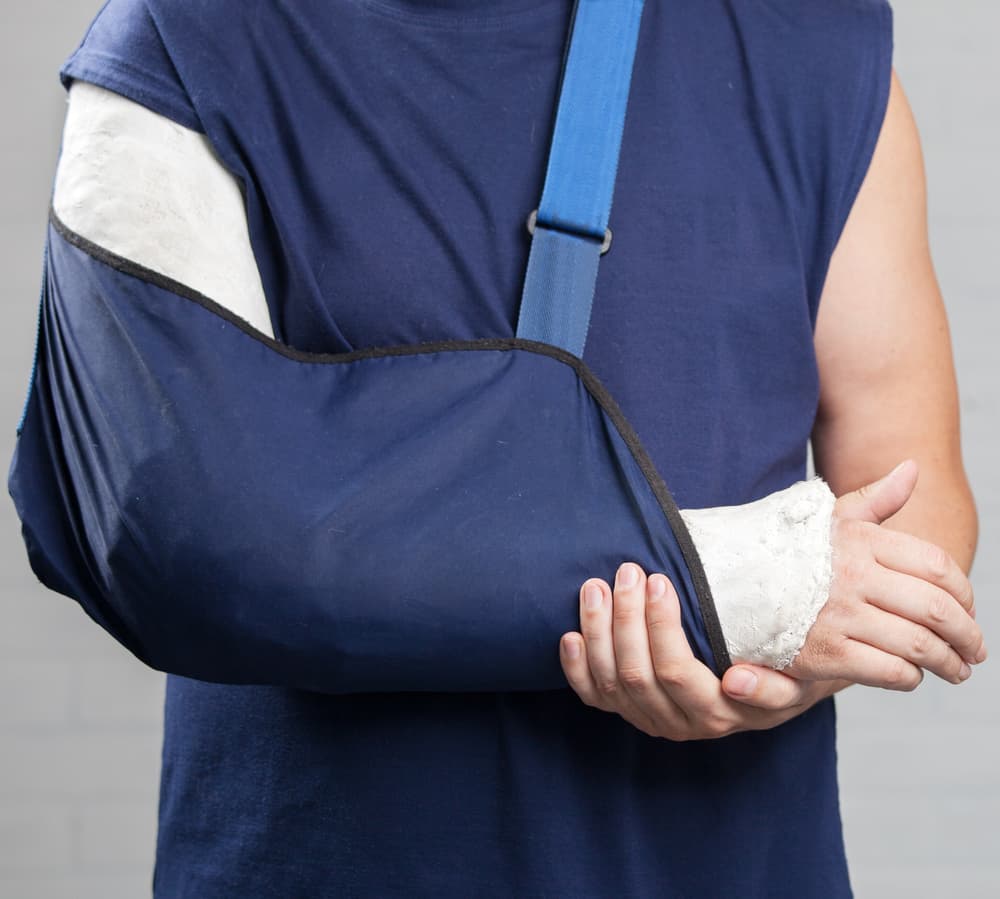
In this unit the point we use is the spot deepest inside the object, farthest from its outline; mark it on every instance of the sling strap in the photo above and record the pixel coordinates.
(570, 228)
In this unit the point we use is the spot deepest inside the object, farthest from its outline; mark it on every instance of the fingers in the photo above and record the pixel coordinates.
(576, 661)
(621, 666)
(929, 609)
(576, 667)
(691, 685)
(882, 499)
(573, 653)
(633, 658)
(629, 684)
(911, 555)
(602, 685)
(864, 664)
(595, 624)
(910, 641)
(629, 637)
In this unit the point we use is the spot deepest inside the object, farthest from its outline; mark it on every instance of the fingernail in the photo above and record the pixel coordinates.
(628, 575)
(964, 672)
(741, 682)
(656, 587)
(592, 597)
(572, 648)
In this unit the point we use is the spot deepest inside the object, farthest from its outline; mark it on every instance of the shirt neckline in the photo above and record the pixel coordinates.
(465, 14)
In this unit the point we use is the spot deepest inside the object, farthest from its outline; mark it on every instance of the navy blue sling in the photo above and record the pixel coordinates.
(235, 510)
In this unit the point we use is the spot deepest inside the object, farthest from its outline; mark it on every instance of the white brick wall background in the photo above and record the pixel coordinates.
(80, 719)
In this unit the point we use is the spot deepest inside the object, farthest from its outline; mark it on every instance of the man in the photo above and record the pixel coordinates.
(751, 131)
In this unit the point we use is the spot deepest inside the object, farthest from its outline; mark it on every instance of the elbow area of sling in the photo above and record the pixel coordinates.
(408, 518)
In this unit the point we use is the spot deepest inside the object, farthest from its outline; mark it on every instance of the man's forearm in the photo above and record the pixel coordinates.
(942, 511)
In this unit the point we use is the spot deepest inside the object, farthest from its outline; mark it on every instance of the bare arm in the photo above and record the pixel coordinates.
(887, 380)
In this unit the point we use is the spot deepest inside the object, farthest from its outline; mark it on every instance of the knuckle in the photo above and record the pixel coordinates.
(712, 727)
(656, 624)
(660, 624)
(837, 614)
(626, 612)
(922, 642)
(671, 675)
(634, 678)
(865, 491)
(902, 676)
(607, 687)
(852, 530)
(849, 569)
(594, 634)
(938, 606)
(938, 562)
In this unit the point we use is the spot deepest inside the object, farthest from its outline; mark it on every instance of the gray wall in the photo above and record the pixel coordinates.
(79, 719)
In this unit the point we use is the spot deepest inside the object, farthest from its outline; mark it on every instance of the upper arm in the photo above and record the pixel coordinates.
(887, 379)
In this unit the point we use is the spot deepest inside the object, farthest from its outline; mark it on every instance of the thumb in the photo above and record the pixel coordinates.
(763, 688)
(881, 499)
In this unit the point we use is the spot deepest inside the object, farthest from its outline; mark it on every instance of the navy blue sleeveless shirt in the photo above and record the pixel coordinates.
(390, 151)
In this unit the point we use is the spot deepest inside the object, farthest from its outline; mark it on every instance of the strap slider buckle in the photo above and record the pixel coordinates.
(533, 220)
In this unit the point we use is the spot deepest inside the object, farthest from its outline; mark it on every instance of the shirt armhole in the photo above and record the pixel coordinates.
(139, 85)
(122, 32)
(870, 102)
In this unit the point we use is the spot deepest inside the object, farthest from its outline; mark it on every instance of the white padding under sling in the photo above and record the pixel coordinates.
(142, 186)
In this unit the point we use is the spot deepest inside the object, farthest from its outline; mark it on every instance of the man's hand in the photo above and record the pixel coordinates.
(897, 604)
(634, 659)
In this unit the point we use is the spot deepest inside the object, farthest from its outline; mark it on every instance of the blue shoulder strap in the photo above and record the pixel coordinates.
(570, 227)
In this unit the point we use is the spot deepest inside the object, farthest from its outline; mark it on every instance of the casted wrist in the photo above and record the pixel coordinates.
(769, 566)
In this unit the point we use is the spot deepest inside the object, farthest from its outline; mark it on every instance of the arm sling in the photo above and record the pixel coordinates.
(400, 518)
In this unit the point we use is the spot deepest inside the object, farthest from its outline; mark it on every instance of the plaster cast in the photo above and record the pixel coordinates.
(148, 189)
(144, 187)
(769, 566)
